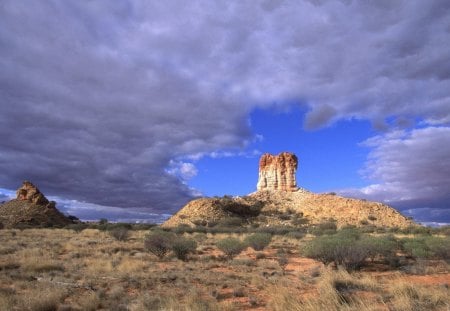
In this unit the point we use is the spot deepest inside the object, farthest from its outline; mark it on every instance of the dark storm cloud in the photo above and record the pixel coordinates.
(97, 98)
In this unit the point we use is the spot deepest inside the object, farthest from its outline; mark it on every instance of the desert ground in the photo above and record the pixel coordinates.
(118, 269)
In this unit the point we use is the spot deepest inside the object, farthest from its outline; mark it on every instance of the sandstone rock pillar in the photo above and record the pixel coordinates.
(277, 172)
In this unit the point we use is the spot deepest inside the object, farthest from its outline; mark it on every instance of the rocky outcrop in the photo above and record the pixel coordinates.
(279, 202)
(29, 192)
(210, 211)
(277, 172)
(288, 209)
(32, 209)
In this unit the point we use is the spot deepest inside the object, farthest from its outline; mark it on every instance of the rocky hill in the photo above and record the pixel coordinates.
(279, 202)
(31, 209)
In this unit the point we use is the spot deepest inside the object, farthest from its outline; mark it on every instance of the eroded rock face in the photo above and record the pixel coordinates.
(277, 172)
(29, 192)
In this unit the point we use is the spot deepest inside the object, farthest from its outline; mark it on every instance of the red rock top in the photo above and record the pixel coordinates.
(277, 172)
(29, 192)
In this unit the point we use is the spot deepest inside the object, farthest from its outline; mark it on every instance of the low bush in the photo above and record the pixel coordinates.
(295, 235)
(299, 221)
(344, 248)
(439, 247)
(181, 247)
(274, 230)
(282, 262)
(77, 227)
(183, 228)
(444, 230)
(415, 229)
(230, 222)
(416, 247)
(258, 241)
(159, 242)
(323, 228)
(384, 247)
(230, 247)
(369, 229)
(120, 233)
(426, 247)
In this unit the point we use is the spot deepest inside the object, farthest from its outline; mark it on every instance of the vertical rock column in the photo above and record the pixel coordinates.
(277, 172)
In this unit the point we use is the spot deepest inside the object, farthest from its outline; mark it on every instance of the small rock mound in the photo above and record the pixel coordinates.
(209, 211)
(32, 209)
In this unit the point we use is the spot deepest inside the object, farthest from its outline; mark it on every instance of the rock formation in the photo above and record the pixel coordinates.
(32, 209)
(277, 172)
(288, 206)
(29, 192)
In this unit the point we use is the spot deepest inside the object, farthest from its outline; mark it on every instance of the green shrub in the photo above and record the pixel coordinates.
(384, 247)
(295, 235)
(427, 247)
(258, 241)
(416, 247)
(120, 233)
(231, 247)
(328, 227)
(182, 246)
(299, 221)
(345, 248)
(369, 229)
(182, 228)
(444, 230)
(415, 229)
(439, 247)
(159, 242)
(273, 230)
(230, 222)
(285, 216)
(200, 222)
(77, 227)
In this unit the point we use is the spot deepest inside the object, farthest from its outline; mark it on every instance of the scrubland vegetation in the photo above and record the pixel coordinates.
(123, 267)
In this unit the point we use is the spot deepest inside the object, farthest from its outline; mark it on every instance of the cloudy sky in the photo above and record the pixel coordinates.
(123, 109)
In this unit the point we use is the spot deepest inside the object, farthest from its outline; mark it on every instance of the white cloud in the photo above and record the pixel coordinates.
(184, 170)
(412, 169)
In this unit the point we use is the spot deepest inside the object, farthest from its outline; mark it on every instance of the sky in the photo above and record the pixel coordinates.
(127, 110)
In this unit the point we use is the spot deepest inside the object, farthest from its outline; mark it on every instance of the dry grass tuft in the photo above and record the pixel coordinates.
(334, 293)
(45, 298)
(64, 270)
(36, 260)
(131, 265)
(407, 296)
(98, 266)
(89, 302)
